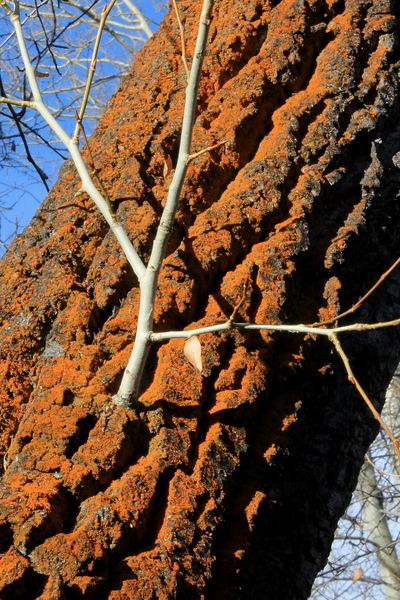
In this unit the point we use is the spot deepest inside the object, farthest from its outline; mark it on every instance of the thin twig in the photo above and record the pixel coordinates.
(28, 16)
(239, 303)
(110, 30)
(4, 5)
(373, 464)
(92, 68)
(304, 329)
(87, 183)
(208, 149)
(140, 17)
(182, 34)
(16, 102)
(351, 377)
(94, 170)
(361, 300)
(49, 41)
(17, 116)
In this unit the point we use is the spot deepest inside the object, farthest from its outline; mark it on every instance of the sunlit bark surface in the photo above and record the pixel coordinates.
(228, 483)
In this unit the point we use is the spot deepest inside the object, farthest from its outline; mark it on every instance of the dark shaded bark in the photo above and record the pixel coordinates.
(227, 484)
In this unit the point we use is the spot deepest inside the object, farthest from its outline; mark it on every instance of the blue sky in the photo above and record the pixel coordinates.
(21, 190)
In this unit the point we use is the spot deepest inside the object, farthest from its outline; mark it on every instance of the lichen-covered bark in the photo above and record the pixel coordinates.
(229, 483)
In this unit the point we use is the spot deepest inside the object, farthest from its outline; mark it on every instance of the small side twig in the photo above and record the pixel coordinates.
(17, 102)
(16, 116)
(92, 68)
(208, 149)
(4, 5)
(351, 377)
(140, 17)
(361, 300)
(239, 303)
(94, 171)
(182, 34)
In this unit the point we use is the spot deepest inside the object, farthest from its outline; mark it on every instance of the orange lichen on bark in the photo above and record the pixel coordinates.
(166, 499)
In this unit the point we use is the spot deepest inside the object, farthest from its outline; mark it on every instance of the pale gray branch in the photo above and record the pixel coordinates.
(142, 20)
(304, 329)
(87, 183)
(130, 383)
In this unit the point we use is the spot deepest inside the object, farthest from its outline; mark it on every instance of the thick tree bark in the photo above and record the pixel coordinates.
(229, 483)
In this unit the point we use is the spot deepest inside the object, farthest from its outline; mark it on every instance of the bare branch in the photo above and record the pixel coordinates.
(142, 20)
(92, 14)
(304, 329)
(17, 102)
(208, 149)
(334, 339)
(62, 32)
(362, 299)
(130, 383)
(182, 34)
(87, 183)
(4, 5)
(92, 68)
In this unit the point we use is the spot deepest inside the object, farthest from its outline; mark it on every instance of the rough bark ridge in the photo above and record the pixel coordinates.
(226, 484)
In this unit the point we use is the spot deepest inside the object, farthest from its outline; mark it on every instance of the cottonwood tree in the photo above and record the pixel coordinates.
(145, 476)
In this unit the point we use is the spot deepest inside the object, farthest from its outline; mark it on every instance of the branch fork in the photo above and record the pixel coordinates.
(148, 275)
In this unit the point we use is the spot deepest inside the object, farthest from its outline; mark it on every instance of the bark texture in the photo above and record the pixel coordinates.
(226, 484)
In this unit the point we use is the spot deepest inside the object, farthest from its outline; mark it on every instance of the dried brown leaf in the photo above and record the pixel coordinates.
(192, 352)
(167, 166)
(358, 573)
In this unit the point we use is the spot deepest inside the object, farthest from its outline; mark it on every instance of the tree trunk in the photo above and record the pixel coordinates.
(229, 483)
(376, 522)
